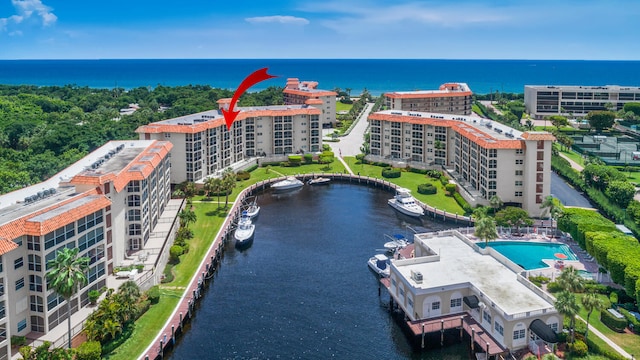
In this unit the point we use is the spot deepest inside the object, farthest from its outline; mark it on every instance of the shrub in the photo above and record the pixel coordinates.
(243, 175)
(553, 287)
(427, 189)
(18, 340)
(613, 322)
(153, 294)
(596, 288)
(417, 171)
(390, 173)
(295, 158)
(443, 180)
(613, 297)
(604, 350)
(252, 168)
(634, 324)
(174, 253)
(463, 203)
(93, 296)
(579, 348)
(436, 174)
(451, 188)
(308, 158)
(89, 350)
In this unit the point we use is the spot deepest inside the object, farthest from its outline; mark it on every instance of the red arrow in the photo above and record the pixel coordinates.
(253, 78)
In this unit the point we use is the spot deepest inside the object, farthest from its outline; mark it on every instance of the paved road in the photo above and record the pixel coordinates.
(350, 145)
(567, 195)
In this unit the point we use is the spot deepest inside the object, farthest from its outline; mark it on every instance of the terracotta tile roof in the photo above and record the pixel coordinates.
(161, 127)
(427, 94)
(6, 246)
(138, 169)
(313, 102)
(473, 133)
(538, 135)
(310, 93)
(31, 225)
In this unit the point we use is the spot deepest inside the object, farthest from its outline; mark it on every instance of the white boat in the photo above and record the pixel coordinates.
(405, 203)
(319, 181)
(253, 210)
(244, 231)
(379, 264)
(289, 183)
(395, 242)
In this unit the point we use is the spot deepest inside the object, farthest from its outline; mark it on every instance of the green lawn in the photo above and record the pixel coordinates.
(410, 181)
(629, 342)
(571, 155)
(343, 107)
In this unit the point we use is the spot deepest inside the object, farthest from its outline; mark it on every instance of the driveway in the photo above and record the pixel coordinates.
(349, 145)
(567, 195)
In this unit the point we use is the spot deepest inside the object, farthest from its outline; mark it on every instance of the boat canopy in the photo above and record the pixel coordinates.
(381, 261)
(543, 331)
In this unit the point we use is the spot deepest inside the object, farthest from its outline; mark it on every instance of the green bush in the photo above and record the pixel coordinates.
(633, 322)
(243, 175)
(436, 174)
(252, 168)
(427, 189)
(579, 348)
(18, 340)
(463, 203)
(613, 322)
(153, 294)
(89, 350)
(142, 307)
(444, 180)
(613, 297)
(174, 253)
(308, 158)
(604, 350)
(295, 158)
(450, 188)
(93, 296)
(553, 287)
(417, 171)
(390, 173)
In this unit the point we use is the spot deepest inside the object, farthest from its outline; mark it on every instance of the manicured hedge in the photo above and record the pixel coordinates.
(252, 168)
(613, 322)
(243, 175)
(451, 188)
(390, 173)
(427, 189)
(463, 203)
(631, 319)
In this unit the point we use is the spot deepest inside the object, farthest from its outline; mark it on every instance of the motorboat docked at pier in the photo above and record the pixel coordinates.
(405, 203)
(395, 242)
(253, 210)
(244, 232)
(289, 183)
(379, 264)
(319, 181)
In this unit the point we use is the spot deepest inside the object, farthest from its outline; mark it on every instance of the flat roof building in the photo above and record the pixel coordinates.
(450, 98)
(484, 157)
(451, 275)
(202, 145)
(542, 101)
(105, 205)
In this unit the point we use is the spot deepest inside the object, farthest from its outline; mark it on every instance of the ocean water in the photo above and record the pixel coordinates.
(377, 76)
(303, 290)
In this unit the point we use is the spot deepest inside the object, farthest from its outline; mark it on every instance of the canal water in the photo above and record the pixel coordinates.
(303, 290)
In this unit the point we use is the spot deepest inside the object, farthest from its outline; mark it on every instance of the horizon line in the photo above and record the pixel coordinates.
(298, 59)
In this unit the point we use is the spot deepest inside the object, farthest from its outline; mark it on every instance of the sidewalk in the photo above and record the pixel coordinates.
(615, 346)
(574, 164)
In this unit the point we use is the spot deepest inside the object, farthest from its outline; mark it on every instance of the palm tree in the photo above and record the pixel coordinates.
(216, 185)
(128, 296)
(570, 280)
(112, 328)
(567, 305)
(228, 183)
(208, 186)
(485, 229)
(187, 216)
(550, 206)
(66, 274)
(591, 301)
(496, 203)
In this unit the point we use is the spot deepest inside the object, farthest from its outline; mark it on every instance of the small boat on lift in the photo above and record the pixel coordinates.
(395, 242)
(380, 264)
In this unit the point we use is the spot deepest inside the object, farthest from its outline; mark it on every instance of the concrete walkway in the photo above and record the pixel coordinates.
(350, 144)
(594, 331)
(574, 164)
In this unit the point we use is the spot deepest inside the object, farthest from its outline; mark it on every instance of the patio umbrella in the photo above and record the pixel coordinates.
(560, 256)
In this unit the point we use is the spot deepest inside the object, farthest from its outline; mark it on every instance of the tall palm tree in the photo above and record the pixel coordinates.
(228, 183)
(66, 275)
(216, 185)
(591, 301)
(129, 295)
(209, 186)
(550, 207)
(496, 203)
(570, 280)
(567, 305)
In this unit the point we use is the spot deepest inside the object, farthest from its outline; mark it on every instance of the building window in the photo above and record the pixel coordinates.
(519, 161)
(19, 284)
(486, 316)
(18, 263)
(33, 243)
(37, 324)
(499, 328)
(518, 334)
(456, 302)
(35, 283)
(35, 262)
(133, 200)
(37, 304)
(22, 324)
(518, 182)
(519, 151)
(519, 172)
(554, 326)
(435, 305)
(518, 194)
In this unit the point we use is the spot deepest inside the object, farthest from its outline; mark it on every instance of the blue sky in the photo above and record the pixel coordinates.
(444, 29)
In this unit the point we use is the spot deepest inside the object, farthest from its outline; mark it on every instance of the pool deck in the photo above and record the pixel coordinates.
(585, 261)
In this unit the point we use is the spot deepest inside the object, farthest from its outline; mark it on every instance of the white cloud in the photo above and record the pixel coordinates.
(29, 9)
(282, 19)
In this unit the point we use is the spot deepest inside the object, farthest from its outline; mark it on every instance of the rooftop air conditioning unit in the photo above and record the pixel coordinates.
(416, 276)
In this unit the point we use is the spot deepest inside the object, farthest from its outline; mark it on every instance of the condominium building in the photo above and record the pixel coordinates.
(542, 101)
(450, 98)
(104, 205)
(298, 92)
(451, 279)
(202, 145)
(486, 158)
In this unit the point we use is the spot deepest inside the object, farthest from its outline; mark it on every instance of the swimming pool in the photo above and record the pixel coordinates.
(529, 255)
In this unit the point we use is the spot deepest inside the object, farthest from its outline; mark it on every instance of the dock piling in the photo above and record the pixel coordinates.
(422, 336)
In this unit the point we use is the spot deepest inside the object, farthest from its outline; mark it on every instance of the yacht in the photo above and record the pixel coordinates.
(289, 183)
(319, 181)
(253, 210)
(405, 203)
(244, 231)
